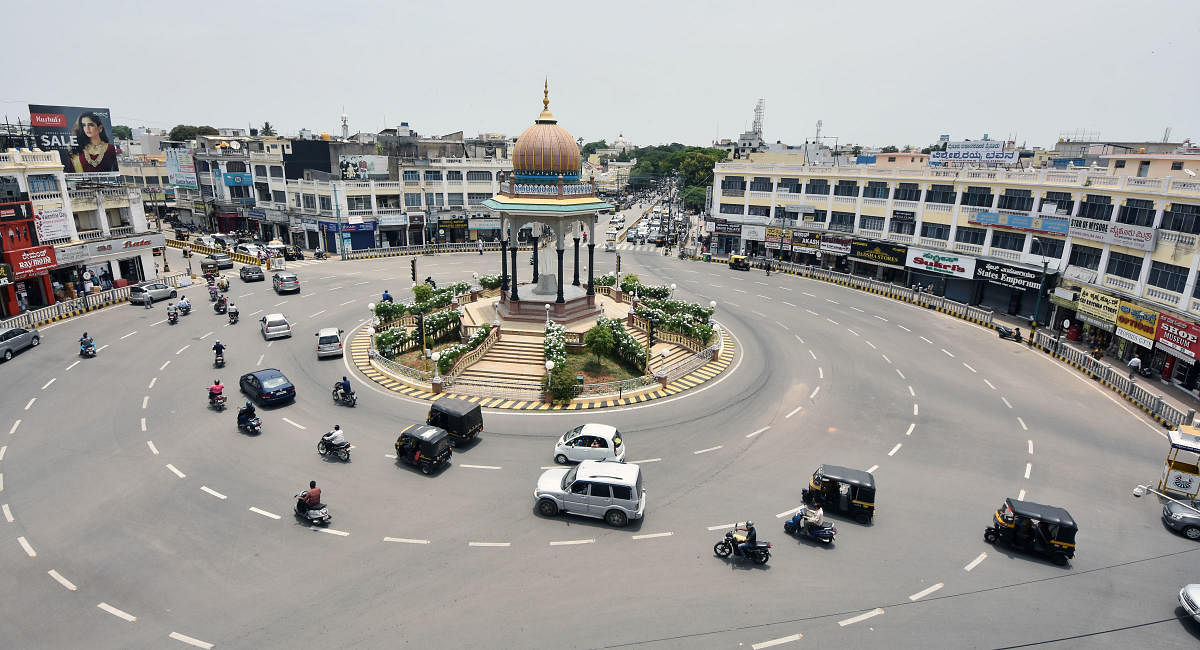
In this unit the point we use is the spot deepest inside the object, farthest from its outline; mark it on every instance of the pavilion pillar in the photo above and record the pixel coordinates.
(534, 239)
(575, 282)
(503, 265)
(591, 290)
(560, 299)
(513, 295)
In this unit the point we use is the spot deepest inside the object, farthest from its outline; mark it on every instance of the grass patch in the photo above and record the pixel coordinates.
(580, 363)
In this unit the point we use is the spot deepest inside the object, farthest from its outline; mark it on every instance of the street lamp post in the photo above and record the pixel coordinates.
(1141, 490)
(435, 356)
(1037, 310)
(547, 314)
(1058, 339)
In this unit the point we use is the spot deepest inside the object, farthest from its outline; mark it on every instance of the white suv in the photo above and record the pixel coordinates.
(605, 490)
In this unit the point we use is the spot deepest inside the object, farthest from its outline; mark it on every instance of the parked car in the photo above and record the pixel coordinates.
(610, 491)
(329, 342)
(247, 249)
(251, 273)
(205, 240)
(267, 386)
(1179, 517)
(224, 241)
(590, 442)
(275, 326)
(285, 281)
(15, 339)
(223, 260)
(151, 292)
(1189, 599)
(610, 246)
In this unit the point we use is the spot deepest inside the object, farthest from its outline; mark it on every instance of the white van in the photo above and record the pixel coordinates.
(605, 490)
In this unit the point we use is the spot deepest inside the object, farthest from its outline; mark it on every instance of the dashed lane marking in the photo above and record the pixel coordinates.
(260, 358)
(1005, 400)
(190, 640)
(832, 321)
(405, 540)
(153, 380)
(281, 302)
(880, 318)
(481, 466)
(885, 357)
(721, 526)
(490, 544)
(145, 401)
(705, 451)
(158, 322)
(317, 314)
(129, 335)
(1021, 495)
(755, 433)
(900, 373)
(812, 354)
(925, 592)
(989, 384)
(787, 303)
(762, 283)
(895, 449)
(832, 301)
(974, 563)
(206, 336)
(47, 384)
(871, 344)
(926, 340)
(853, 332)
(245, 294)
(1028, 469)
(861, 617)
(213, 492)
(25, 545)
(820, 372)
(914, 409)
(856, 309)
(164, 365)
(7, 513)
(739, 291)
(264, 513)
(911, 391)
(812, 312)
(179, 352)
(782, 325)
(808, 294)
(73, 365)
(798, 338)
(968, 367)
(903, 328)
(153, 449)
(30, 404)
(61, 580)
(14, 427)
(814, 393)
(1022, 423)
(116, 612)
(786, 288)
(1030, 446)
(646, 460)
(652, 535)
(758, 313)
(910, 429)
(256, 311)
(948, 353)
(790, 511)
(345, 303)
(101, 348)
(871, 469)
(175, 471)
(298, 426)
(330, 531)
(143, 424)
(774, 642)
(573, 542)
(3, 449)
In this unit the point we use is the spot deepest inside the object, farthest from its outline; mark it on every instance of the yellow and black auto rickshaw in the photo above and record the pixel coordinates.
(842, 489)
(423, 446)
(1034, 528)
(739, 263)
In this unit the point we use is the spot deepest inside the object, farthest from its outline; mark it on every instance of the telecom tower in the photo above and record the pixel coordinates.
(759, 109)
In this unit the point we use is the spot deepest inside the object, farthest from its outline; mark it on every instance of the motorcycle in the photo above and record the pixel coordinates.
(223, 286)
(759, 552)
(251, 427)
(219, 361)
(212, 293)
(217, 402)
(824, 534)
(314, 515)
(348, 399)
(320, 255)
(220, 308)
(172, 317)
(185, 309)
(233, 317)
(342, 451)
(1146, 371)
(87, 350)
(1010, 334)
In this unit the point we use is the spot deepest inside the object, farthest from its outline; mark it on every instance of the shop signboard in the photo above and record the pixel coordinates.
(1008, 276)
(395, 220)
(835, 244)
(332, 226)
(754, 233)
(81, 136)
(69, 255)
(1039, 223)
(941, 263)
(452, 222)
(1178, 337)
(878, 253)
(181, 168)
(1120, 234)
(238, 179)
(904, 216)
(785, 242)
(51, 221)
(710, 226)
(484, 223)
(1099, 309)
(129, 245)
(802, 240)
(1136, 323)
(726, 228)
(28, 262)
(276, 216)
(976, 151)
(773, 237)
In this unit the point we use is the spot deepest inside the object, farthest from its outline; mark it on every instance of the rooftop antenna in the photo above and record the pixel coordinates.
(1167, 134)
(759, 109)
(345, 125)
(820, 123)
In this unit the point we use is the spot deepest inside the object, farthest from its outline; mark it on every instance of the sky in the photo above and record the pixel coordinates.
(875, 72)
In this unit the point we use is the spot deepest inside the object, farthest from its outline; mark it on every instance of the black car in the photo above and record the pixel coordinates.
(267, 386)
(252, 273)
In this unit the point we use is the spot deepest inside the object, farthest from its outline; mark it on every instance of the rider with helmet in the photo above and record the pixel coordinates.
(245, 414)
(215, 391)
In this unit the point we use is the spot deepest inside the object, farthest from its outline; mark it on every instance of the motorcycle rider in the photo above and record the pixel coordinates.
(172, 310)
(215, 391)
(86, 342)
(218, 350)
(310, 499)
(183, 304)
(232, 310)
(429, 281)
(245, 414)
(813, 517)
(745, 540)
(343, 388)
(387, 297)
(222, 304)
(335, 438)
(223, 283)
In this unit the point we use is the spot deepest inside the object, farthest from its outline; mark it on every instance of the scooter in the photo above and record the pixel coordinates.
(824, 534)
(172, 317)
(1147, 371)
(87, 350)
(759, 552)
(217, 402)
(342, 451)
(185, 309)
(220, 308)
(219, 360)
(314, 515)
(212, 293)
(1010, 334)
(320, 255)
(251, 427)
(348, 399)
(233, 317)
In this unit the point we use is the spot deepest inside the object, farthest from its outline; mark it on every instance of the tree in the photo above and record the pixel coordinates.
(693, 197)
(591, 147)
(266, 129)
(889, 149)
(122, 132)
(856, 151)
(206, 130)
(182, 132)
(599, 340)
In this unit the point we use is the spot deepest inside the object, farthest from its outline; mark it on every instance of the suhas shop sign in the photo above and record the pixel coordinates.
(940, 263)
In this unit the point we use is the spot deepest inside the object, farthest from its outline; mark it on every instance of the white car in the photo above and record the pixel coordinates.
(609, 491)
(275, 326)
(329, 342)
(590, 442)
(1189, 599)
(248, 249)
(610, 246)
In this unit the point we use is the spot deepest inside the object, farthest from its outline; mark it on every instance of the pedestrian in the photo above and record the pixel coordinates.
(480, 247)
(106, 279)
(1135, 364)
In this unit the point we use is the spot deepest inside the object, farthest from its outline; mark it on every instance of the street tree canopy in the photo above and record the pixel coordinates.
(122, 132)
(183, 132)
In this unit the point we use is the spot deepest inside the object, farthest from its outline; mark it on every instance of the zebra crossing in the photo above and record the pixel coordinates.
(645, 248)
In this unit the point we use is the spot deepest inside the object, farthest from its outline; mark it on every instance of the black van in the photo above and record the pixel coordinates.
(460, 418)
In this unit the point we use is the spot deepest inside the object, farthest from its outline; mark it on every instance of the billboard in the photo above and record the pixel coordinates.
(988, 152)
(1007, 276)
(1120, 234)
(51, 220)
(941, 263)
(181, 168)
(1042, 223)
(1136, 323)
(363, 168)
(1178, 337)
(81, 136)
(877, 253)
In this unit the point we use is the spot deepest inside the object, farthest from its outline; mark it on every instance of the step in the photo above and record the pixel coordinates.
(502, 345)
(497, 375)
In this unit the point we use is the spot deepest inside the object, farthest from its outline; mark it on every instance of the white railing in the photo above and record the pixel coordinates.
(1176, 237)
(905, 205)
(970, 249)
(89, 235)
(934, 242)
(1120, 283)
(760, 195)
(899, 236)
(852, 200)
(939, 207)
(1162, 295)
(878, 202)
(875, 234)
(1133, 182)
(120, 231)
(1005, 254)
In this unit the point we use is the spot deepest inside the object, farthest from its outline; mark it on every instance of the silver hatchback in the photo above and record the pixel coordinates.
(285, 281)
(329, 342)
(150, 292)
(15, 339)
(275, 326)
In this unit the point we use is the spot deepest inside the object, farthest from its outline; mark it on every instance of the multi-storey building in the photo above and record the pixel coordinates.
(1119, 251)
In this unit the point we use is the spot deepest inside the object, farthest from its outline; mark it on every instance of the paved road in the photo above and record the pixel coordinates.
(184, 524)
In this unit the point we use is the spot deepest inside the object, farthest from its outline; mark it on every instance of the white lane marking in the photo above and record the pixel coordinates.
(721, 526)
(1005, 400)
(190, 641)
(808, 294)
(646, 460)
(31, 401)
(331, 531)
(911, 426)
(14, 427)
(328, 277)
(814, 393)
(7, 513)
(1021, 495)
(298, 426)
(345, 303)
(264, 513)
(832, 321)
(129, 335)
(880, 317)
(158, 322)
(925, 592)
(903, 327)
(871, 344)
(213, 492)
(786, 288)
(861, 617)
(774, 642)
(900, 373)
(969, 367)
(2, 450)
(1028, 468)
(855, 308)
(704, 451)
(405, 540)
(153, 380)
(73, 365)
(1, 481)
(175, 471)
(279, 303)
(731, 304)
(895, 449)
(926, 340)
(812, 312)
(101, 347)
(490, 544)
(885, 357)
(270, 343)
(256, 311)
(481, 466)
(317, 314)
(47, 384)
(206, 336)
(782, 325)
(948, 353)
(652, 535)
(793, 412)
(791, 511)
(798, 338)
(360, 283)
(914, 408)
(911, 391)
(787, 303)
(25, 545)
(871, 469)
(153, 449)
(989, 384)
(179, 352)
(116, 612)
(852, 332)
(759, 314)
(145, 401)
(762, 283)
(755, 433)
(832, 301)
(245, 294)
(974, 563)
(165, 364)
(739, 291)
(1030, 446)
(1022, 423)
(573, 542)
(811, 354)
(260, 358)
(61, 580)
(143, 424)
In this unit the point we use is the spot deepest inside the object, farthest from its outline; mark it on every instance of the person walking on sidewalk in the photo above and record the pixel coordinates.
(1135, 364)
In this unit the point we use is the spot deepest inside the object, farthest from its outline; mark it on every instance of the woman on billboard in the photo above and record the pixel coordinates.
(91, 151)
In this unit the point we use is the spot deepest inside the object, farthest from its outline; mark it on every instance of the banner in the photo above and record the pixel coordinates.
(988, 152)
(483, 223)
(1178, 337)
(1137, 324)
(81, 136)
(753, 233)
(1008, 276)
(785, 242)
(941, 263)
(1040, 224)
(28, 262)
(1120, 234)
(904, 216)
(835, 244)
(181, 168)
(805, 241)
(363, 168)
(773, 238)
(130, 245)
(51, 220)
(877, 253)
(1100, 306)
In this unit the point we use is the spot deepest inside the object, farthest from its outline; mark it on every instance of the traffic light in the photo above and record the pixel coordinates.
(421, 326)
(618, 263)
(413, 261)
(650, 338)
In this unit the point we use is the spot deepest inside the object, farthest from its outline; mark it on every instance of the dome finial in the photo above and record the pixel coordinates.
(546, 95)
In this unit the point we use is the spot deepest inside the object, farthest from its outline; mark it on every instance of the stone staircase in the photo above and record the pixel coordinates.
(516, 358)
(675, 353)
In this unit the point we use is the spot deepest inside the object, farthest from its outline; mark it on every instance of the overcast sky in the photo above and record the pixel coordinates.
(876, 72)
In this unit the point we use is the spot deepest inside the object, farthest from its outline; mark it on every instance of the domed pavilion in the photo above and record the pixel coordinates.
(545, 190)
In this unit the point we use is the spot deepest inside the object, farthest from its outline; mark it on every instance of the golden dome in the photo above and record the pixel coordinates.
(546, 149)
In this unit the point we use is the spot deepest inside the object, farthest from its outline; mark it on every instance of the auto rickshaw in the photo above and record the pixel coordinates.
(842, 489)
(208, 268)
(291, 253)
(460, 418)
(1034, 528)
(739, 263)
(423, 446)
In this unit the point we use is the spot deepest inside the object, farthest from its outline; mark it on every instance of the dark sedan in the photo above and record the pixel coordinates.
(267, 386)
(251, 274)
(1180, 517)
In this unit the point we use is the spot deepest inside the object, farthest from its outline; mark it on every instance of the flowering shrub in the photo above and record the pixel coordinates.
(626, 349)
(606, 280)
(489, 281)
(630, 283)
(387, 311)
(392, 342)
(681, 323)
(443, 324)
(453, 352)
(555, 347)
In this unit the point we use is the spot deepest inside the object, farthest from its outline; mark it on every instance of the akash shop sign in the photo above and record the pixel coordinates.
(941, 263)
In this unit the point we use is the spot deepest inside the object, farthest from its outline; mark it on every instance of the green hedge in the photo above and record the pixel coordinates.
(387, 311)
(626, 349)
(452, 353)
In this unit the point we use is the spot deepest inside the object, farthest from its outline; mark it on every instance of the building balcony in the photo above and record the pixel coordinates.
(760, 195)
(846, 200)
(1005, 254)
(120, 231)
(969, 249)
(732, 192)
(1181, 238)
(55, 241)
(944, 208)
(934, 242)
(1163, 296)
(905, 205)
(876, 202)
(90, 235)
(1128, 286)
(900, 237)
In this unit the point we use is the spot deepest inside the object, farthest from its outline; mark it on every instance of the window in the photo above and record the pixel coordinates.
(1126, 266)
(42, 183)
(206, 191)
(790, 185)
(967, 235)
(326, 203)
(475, 198)
(202, 165)
(164, 180)
(941, 194)
(1168, 276)
(358, 203)
(235, 167)
(1021, 200)
(454, 176)
(759, 211)
(264, 194)
(600, 490)
(276, 171)
(891, 159)
(1012, 241)
(980, 197)
(1063, 202)
(1087, 257)
(733, 183)
(819, 216)
(1136, 212)
(817, 186)
(870, 223)
(875, 190)
(732, 208)
(412, 175)
(935, 230)
(1143, 168)
(239, 192)
(841, 221)
(622, 492)
(296, 199)
(903, 227)
(760, 184)
(479, 176)
(1046, 247)
(279, 196)
(412, 199)
(1118, 164)
(310, 202)
(907, 192)
(455, 199)
(579, 487)
(260, 171)
(433, 175)
(846, 188)
(1096, 206)
(1182, 217)
(437, 199)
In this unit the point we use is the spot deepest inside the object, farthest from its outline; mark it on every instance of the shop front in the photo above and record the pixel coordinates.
(30, 285)
(833, 252)
(805, 246)
(268, 224)
(393, 230)
(1012, 289)
(106, 264)
(355, 236)
(1136, 327)
(942, 272)
(484, 227)
(883, 262)
(1180, 340)
(1063, 300)
(451, 229)
(727, 237)
(1098, 312)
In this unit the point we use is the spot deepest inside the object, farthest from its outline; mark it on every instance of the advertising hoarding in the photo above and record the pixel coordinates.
(773, 238)
(81, 136)
(878, 253)
(1097, 308)
(1107, 232)
(988, 152)
(1008, 276)
(754, 233)
(806, 241)
(835, 244)
(51, 220)
(1136, 323)
(28, 262)
(181, 168)
(363, 168)
(941, 263)
(128, 245)
(238, 179)
(1050, 225)
(1178, 337)
(726, 228)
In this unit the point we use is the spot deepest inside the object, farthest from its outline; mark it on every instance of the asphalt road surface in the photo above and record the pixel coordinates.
(134, 516)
